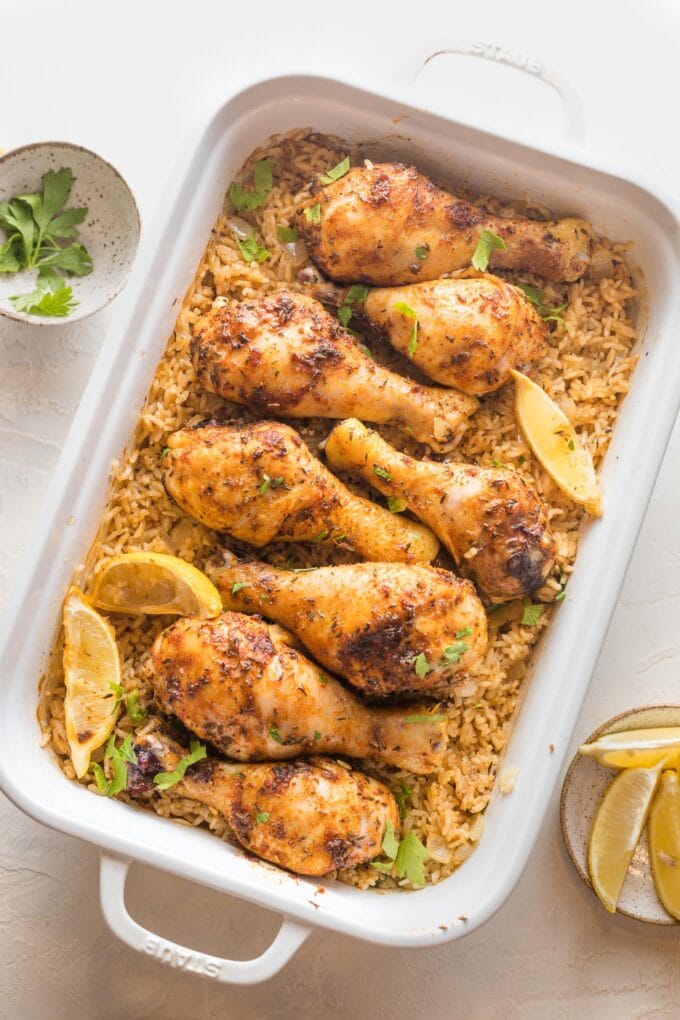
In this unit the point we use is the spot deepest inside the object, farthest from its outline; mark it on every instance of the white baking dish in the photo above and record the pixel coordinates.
(565, 182)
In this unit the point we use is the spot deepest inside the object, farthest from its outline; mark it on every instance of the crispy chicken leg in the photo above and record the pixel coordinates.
(368, 621)
(472, 329)
(492, 523)
(377, 220)
(260, 483)
(235, 682)
(283, 354)
(310, 817)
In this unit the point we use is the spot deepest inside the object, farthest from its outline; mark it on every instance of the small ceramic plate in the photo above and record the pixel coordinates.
(110, 231)
(582, 793)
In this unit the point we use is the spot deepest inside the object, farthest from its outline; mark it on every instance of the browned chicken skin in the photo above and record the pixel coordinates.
(310, 816)
(259, 482)
(493, 524)
(368, 621)
(283, 354)
(375, 217)
(235, 682)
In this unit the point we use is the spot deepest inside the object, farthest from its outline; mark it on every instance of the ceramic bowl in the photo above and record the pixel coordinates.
(582, 792)
(110, 231)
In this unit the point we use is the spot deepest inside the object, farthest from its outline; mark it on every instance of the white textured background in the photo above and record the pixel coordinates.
(124, 79)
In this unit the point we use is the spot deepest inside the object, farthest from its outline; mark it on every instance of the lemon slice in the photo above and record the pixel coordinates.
(616, 830)
(635, 748)
(555, 444)
(91, 674)
(147, 582)
(664, 843)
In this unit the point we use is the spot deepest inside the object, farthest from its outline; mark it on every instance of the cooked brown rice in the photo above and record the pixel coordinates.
(587, 371)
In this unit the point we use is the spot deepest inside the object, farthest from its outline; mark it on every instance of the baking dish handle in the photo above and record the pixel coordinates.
(571, 103)
(112, 878)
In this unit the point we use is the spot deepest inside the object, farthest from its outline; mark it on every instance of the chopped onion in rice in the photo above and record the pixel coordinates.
(438, 850)
(296, 252)
(240, 228)
(508, 778)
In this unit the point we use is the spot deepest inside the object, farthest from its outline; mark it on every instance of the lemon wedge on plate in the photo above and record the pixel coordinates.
(147, 582)
(616, 830)
(635, 748)
(92, 677)
(555, 444)
(664, 843)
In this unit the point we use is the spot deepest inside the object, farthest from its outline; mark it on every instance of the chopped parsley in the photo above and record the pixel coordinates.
(422, 251)
(251, 250)
(164, 780)
(425, 717)
(396, 504)
(402, 794)
(323, 534)
(53, 303)
(270, 483)
(262, 185)
(452, 653)
(164, 452)
(134, 709)
(336, 172)
(562, 594)
(288, 235)
(401, 306)
(317, 735)
(465, 632)
(275, 734)
(117, 756)
(382, 473)
(262, 816)
(571, 444)
(535, 296)
(323, 679)
(313, 213)
(356, 294)
(118, 691)
(406, 857)
(421, 665)
(237, 586)
(488, 241)
(531, 614)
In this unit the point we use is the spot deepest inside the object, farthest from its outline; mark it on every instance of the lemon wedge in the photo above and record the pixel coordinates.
(147, 582)
(616, 830)
(664, 843)
(92, 677)
(635, 748)
(555, 444)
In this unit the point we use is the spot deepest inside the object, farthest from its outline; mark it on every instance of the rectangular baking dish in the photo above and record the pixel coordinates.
(566, 181)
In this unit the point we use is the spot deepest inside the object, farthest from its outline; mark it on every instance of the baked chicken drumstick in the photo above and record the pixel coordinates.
(309, 816)
(471, 330)
(283, 354)
(259, 482)
(386, 224)
(368, 622)
(493, 524)
(236, 682)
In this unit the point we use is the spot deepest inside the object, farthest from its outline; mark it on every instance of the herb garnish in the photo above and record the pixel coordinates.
(465, 632)
(535, 296)
(262, 185)
(262, 816)
(288, 235)
(401, 795)
(313, 213)
(236, 587)
(323, 679)
(425, 717)
(117, 756)
(317, 735)
(356, 294)
(452, 653)
(396, 504)
(321, 536)
(134, 709)
(250, 249)
(406, 857)
(382, 473)
(164, 452)
(275, 735)
(35, 225)
(422, 251)
(421, 665)
(336, 172)
(197, 751)
(488, 241)
(401, 306)
(270, 483)
(531, 614)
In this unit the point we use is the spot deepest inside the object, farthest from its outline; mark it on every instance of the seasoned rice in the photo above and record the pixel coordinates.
(587, 371)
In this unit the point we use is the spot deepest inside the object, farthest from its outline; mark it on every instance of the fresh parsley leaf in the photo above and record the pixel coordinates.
(262, 185)
(18, 216)
(488, 241)
(561, 595)
(452, 653)
(421, 665)
(425, 717)
(262, 816)
(410, 860)
(275, 734)
(164, 780)
(48, 279)
(75, 260)
(535, 296)
(317, 735)
(402, 794)
(396, 504)
(164, 452)
(531, 614)
(382, 473)
(55, 193)
(401, 306)
(64, 225)
(390, 843)
(99, 777)
(250, 249)
(323, 679)
(422, 251)
(465, 632)
(266, 482)
(134, 709)
(117, 757)
(313, 213)
(356, 294)
(344, 314)
(118, 691)
(57, 304)
(126, 750)
(336, 172)
(288, 235)
(237, 586)
(11, 254)
(323, 534)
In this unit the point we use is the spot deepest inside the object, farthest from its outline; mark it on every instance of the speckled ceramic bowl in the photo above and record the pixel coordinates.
(110, 231)
(582, 792)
